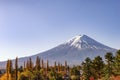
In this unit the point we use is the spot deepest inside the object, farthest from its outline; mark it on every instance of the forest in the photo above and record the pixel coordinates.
(89, 69)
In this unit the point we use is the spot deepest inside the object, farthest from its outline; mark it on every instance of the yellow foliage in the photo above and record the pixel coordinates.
(7, 77)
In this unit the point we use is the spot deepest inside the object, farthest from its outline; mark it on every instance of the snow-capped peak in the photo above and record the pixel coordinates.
(83, 41)
(76, 39)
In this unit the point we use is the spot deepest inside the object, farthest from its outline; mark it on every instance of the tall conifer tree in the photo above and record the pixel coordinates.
(37, 66)
(16, 68)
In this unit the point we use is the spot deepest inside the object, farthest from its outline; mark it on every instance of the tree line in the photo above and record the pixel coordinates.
(89, 69)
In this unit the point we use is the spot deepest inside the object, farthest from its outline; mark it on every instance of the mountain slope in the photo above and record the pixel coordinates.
(74, 51)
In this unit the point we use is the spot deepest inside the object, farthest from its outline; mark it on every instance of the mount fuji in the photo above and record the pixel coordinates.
(74, 51)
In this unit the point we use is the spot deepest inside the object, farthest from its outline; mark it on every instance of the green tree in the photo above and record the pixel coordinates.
(52, 75)
(26, 75)
(98, 65)
(117, 62)
(59, 76)
(86, 68)
(36, 75)
(23, 77)
(75, 73)
(109, 67)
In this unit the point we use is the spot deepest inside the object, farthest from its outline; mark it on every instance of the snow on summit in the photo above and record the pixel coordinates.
(75, 41)
(83, 41)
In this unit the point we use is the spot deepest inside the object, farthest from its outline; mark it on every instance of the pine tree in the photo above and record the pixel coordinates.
(109, 67)
(117, 61)
(86, 67)
(98, 66)
(75, 74)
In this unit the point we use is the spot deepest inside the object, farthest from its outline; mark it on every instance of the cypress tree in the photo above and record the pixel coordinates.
(30, 64)
(47, 65)
(42, 64)
(55, 66)
(27, 65)
(65, 67)
(58, 67)
(37, 66)
(16, 68)
(10, 66)
(7, 69)
(65, 63)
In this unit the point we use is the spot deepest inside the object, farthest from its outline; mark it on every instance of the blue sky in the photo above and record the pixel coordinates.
(28, 27)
